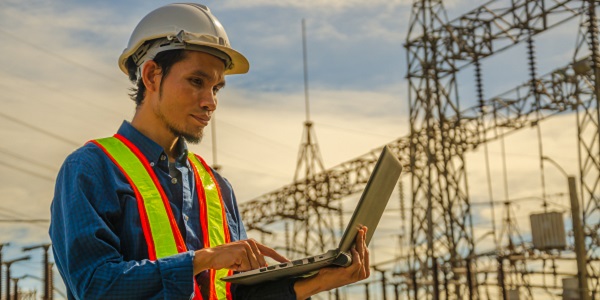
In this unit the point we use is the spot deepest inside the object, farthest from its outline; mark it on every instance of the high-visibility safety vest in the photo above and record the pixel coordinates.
(160, 228)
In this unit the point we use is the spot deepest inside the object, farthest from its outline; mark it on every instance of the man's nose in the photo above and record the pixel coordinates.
(208, 101)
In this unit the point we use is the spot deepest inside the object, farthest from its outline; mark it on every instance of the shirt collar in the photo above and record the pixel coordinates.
(150, 148)
(182, 149)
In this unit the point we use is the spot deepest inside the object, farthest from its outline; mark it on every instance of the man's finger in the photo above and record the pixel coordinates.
(360, 240)
(270, 252)
(251, 258)
(356, 262)
(237, 264)
(257, 253)
(367, 262)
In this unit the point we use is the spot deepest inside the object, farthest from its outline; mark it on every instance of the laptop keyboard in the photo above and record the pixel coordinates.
(297, 262)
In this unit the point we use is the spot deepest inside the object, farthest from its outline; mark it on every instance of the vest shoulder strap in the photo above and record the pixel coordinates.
(153, 203)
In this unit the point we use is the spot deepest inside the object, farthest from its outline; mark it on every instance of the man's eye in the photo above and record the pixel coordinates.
(196, 81)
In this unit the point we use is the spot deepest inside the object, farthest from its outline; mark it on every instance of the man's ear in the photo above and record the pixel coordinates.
(151, 75)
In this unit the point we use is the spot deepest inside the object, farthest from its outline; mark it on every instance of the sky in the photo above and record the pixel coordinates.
(61, 87)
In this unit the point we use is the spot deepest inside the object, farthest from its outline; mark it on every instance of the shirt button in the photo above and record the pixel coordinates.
(185, 217)
(152, 164)
(163, 157)
(174, 180)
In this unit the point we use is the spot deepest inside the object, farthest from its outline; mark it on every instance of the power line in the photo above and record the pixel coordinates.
(272, 141)
(50, 134)
(27, 171)
(45, 51)
(24, 220)
(19, 214)
(369, 133)
(28, 159)
(80, 100)
(521, 199)
(251, 162)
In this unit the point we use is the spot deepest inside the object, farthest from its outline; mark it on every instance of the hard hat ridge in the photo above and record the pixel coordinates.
(150, 49)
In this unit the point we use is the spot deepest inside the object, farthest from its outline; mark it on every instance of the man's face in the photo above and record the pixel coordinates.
(188, 94)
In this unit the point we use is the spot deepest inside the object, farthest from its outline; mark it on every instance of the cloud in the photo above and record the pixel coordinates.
(354, 48)
(330, 6)
(64, 28)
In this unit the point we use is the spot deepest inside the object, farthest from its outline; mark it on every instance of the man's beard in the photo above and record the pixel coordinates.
(192, 139)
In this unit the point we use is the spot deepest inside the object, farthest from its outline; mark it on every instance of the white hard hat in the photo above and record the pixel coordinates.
(181, 26)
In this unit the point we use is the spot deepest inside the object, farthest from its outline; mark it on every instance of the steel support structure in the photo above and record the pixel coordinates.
(588, 120)
(441, 230)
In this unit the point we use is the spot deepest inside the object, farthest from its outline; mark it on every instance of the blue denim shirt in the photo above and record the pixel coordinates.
(98, 241)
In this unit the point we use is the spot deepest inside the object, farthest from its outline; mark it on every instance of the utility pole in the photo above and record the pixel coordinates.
(580, 252)
(51, 280)
(2, 246)
(213, 134)
(501, 275)
(16, 287)
(8, 264)
(45, 267)
(383, 283)
(51, 284)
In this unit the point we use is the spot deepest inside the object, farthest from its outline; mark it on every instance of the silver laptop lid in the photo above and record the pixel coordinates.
(374, 199)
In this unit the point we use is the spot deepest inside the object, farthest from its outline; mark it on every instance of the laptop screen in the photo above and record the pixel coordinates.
(374, 198)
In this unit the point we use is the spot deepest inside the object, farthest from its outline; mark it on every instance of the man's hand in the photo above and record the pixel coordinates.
(237, 256)
(331, 278)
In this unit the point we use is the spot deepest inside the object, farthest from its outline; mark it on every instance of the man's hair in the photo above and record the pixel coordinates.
(165, 60)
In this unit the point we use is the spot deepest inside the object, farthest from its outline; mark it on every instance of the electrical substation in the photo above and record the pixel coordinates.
(441, 257)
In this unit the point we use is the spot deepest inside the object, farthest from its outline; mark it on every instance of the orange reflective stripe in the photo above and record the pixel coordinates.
(211, 202)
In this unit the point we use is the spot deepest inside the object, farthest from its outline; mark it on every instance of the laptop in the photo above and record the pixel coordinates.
(368, 212)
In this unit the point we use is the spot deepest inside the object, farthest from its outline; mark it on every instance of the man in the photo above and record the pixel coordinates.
(136, 216)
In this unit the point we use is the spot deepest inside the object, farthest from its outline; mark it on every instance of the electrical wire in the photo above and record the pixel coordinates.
(257, 165)
(28, 159)
(14, 213)
(271, 141)
(50, 53)
(369, 133)
(40, 130)
(29, 172)
(24, 221)
(79, 100)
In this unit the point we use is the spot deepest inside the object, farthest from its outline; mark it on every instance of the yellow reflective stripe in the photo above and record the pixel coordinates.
(216, 230)
(158, 219)
(221, 286)
(213, 204)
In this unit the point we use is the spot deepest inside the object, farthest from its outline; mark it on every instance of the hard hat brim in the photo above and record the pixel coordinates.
(239, 63)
